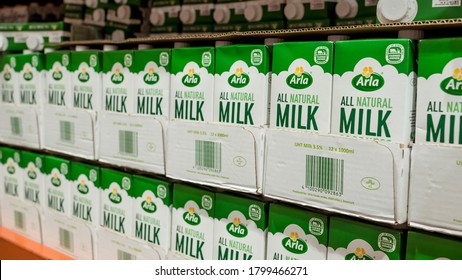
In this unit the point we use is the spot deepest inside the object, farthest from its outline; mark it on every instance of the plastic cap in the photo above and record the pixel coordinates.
(335, 38)
(3, 43)
(181, 44)
(91, 3)
(272, 41)
(187, 16)
(411, 34)
(222, 15)
(222, 43)
(35, 42)
(144, 46)
(392, 11)
(81, 48)
(124, 12)
(49, 50)
(111, 47)
(346, 8)
(98, 15)
(157, 18)
(253, 13)
(294, 11)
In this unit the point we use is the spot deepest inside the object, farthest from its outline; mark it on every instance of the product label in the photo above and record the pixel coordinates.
(57, 186)
(85, 193)
(30, 79)
(58, 79)
(86, 81)
(445, 3)
(33, 179)
(12, 175)
(9, 80)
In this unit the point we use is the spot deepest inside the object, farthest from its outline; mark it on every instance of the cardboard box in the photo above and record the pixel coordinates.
(193, 216)
(427, 246)
(296, 234)
(240, 228)
(57, 185)
(58, 79)
(33, 168)
(418, 10)
(352, 240)
(12, 174)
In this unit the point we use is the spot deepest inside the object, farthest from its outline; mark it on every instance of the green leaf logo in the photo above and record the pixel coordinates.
(83, 76)
(31, 173)
(191, 79)
(294, 245)
(368, 80)
(57, 75)
(191, 217)
(299, 79)
(453, 85)
(82, 187)
(358, 255)
(239, 80)
(151, 78)
(117, 77)
(148, 205)
(115, 197)
(11, 168)
(237, 229)
(28, 75)
(55, 181)
(7, 75)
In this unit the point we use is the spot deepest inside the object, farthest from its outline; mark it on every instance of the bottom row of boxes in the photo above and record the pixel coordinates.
(90, 212)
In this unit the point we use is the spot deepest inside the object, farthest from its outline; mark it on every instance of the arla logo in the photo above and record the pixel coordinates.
(115, 197)
(148, 205)
(239, 79)
(237, 229)
(299, 79)
(31, 173)
(294, 245)
(151, 78)
(358, 255)
(191, 217)
(10, 168)
(57, 75)
(28, 75)
(82, 187)
(55, 181)
(368, 80)
(117, 77)
(453, 85)
(191, 79)
(83, 76)
(7, 75)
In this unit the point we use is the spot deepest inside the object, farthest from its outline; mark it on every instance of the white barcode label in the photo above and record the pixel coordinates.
(19, 221)
(66, 239)
(208, 155)
(325, 175)
(128, 143)
(445, 3)
(16, 126)
(66, 131)
(122, 255)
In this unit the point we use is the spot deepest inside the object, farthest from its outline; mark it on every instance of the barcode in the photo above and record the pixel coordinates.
(16, 126)
(19, 220)
(66, 239)
(128, 143)
(208, 155)
(324, 174)
(122, 255)
(66, 131)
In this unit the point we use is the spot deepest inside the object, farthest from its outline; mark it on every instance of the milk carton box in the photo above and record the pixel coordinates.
(439, 103)
(192, 222)
(57, 185)
(242, 84)
(352, 240)
(58, 79)
(152, 82)
(30, 68)
(118, 83)
(12, 177)
(355, 12)
(296, 234)
(301, 88)
(374, 90)
(427, 246)
(116, 204)
(33, 166)
(152, 209)
(85, 182)
(192, 82)
(240, 228)
(9, 80)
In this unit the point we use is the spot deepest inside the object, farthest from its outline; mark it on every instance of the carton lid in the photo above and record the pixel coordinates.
(187, 16)
(253, 13)
(294, 11)
(222, 15)
(35, 42)
(391, 11)
(157, 17)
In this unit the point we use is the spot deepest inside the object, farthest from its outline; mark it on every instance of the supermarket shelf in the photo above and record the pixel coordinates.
(285, 33)
(16, 246)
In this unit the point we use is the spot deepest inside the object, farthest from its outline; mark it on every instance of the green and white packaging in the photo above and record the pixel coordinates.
(374, 90)
(226, 13)
(439, 114)
(301, 88)
(166, 15)
(351, 10)
(12, 177)
(193, 217)
(116, 208)
(308, 23)
(30, 68)
(85, 181)
(417, 10)
(427, 246)
(152, 209)
(95, 17)
(264, 10)
(9, 80)
(196, 13)
(264, 25)
(152, 82)
(240, 228)
(58, 79)
(192, 82)
(57, 185)
(352, 240)
(86, 69)
(242, 84)
(74, 11)
(308, 9)
(33, 178)
(296, 234)
(126, 14)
